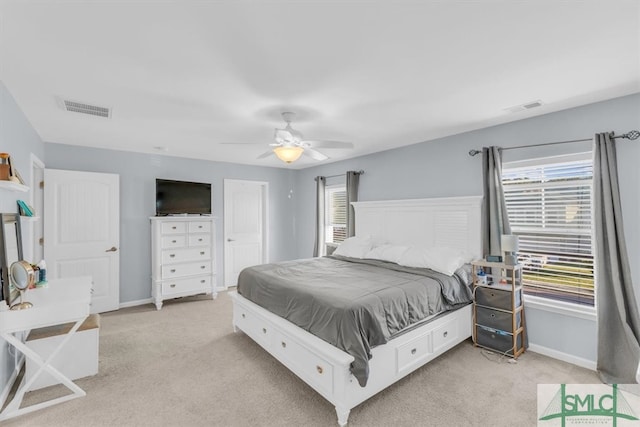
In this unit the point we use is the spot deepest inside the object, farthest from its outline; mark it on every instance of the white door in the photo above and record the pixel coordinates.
(245, 226)
(82, 231)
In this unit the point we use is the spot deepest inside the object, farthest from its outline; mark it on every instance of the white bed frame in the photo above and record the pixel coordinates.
(453, 222)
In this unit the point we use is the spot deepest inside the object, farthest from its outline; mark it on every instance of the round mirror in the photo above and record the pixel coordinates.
(23, 276)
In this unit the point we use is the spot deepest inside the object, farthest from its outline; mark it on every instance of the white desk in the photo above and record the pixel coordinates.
(64, 301)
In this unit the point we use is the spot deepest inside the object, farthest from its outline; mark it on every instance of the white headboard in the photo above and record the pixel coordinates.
(449, 221)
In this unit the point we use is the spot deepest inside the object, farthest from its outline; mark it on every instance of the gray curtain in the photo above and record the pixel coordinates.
(319, 246)
(353, 181)
(495, 221)
(618, 318)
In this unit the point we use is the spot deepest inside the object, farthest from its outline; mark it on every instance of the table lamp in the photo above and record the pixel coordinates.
(509, 245)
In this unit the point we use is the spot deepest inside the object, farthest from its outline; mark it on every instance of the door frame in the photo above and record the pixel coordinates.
(37, 201)
(265, 221)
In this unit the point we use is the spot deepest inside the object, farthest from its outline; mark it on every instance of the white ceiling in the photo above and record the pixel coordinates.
(190, 75)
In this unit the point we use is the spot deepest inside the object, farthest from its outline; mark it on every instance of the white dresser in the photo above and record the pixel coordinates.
(182, 257)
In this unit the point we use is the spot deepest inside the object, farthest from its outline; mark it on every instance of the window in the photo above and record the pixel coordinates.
(336, 213)
(549, 206)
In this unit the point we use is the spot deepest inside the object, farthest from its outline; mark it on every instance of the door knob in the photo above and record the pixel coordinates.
(112, 249)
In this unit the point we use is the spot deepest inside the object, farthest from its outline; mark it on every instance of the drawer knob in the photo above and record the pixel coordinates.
(284, 344)
(413, 350)
(173, 285)
(172, 255)
(264, 330)
(173, 270)
(199, 226)
(199, 240)
(203, 266)
(202, 253)
(202, 281)
(445, 334)
(243, 315)
(173, 228)
(173, 241)
(319, 369)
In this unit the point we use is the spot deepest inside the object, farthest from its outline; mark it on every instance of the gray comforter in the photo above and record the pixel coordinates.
(352, 304)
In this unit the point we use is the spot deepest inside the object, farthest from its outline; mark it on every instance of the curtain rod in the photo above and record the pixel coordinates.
(360, 172)
(631, 135)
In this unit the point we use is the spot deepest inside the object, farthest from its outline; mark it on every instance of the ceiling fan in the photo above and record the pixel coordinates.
(289, 144)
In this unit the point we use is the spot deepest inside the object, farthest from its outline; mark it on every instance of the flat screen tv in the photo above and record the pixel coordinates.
(182, 197)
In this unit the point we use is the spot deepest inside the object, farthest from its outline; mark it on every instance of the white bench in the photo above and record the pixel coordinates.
(77, 359)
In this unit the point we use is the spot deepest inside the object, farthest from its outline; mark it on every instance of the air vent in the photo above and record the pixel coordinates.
(80, 107)
(526, 106)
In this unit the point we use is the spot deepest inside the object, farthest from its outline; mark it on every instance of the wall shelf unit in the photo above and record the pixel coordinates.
(13, 186)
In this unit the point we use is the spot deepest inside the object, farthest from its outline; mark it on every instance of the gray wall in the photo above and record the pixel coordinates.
(19, 139)
(137, 203)
(442, 168)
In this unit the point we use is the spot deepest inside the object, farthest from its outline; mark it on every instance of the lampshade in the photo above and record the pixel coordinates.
(288, 154)
(509, 243)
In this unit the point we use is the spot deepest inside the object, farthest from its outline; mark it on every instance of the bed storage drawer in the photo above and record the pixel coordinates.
(445, 335)
(496, 298)
(309, 366)
(413, 353)
(258, 329)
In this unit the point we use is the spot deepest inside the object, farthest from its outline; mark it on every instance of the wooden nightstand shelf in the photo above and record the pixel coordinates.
(498, 308)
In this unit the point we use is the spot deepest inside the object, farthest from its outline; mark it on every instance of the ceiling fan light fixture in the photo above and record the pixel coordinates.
(288, 154)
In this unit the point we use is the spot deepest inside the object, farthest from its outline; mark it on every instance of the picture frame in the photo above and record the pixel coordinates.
(10, 252)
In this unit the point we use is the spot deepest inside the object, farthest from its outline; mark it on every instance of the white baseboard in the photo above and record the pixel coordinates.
(569, 358)
(136, 303)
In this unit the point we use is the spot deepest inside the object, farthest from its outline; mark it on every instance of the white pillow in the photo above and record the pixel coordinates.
(442, 259)
(391, 253)
(354, 247)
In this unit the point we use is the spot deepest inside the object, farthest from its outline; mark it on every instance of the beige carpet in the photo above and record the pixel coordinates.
(184, 366)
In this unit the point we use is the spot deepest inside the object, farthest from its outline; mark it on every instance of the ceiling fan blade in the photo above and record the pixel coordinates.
(316, 155)
(265, 154)
(327, 144)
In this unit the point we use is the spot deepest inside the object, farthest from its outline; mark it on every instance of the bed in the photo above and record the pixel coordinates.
(339, 373)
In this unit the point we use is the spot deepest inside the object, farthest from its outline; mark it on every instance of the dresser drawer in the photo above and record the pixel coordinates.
(199, 227)
(173, 227)
(412, 353)
(185, 254)
(496, 319)
(497, 340)
(496, 298)
(306, 364)
(445, 334)
(199, 239)
(186, 269)
(173, 241)
(186, 285)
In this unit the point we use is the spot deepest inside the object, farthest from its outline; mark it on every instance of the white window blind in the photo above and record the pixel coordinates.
(336, 215)
(550, 208)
